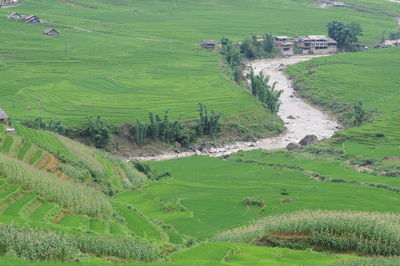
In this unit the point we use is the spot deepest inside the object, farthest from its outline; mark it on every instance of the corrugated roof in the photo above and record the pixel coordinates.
(49, 30)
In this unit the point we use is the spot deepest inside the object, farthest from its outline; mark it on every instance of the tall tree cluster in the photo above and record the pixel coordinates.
(267, 94)
(165, 130)
(345, 34)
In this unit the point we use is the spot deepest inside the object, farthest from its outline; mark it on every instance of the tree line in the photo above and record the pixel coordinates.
(96, 129)
(267, 94)
(161, 128)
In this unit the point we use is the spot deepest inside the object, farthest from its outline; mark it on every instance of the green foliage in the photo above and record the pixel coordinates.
(233, 57)
(394, 36)
(208, 123)
(251, 201)
(34, 245)
(344, 34)
(61, 247)
(22, 152)
(166, 130)
(258, 48)
(264, 92)
(46, 140)
(7, 144)
(126, 248)
(51, 125)
(85, 155)
(140, 132)
(74, 196)
(98, 131)
(362, 232)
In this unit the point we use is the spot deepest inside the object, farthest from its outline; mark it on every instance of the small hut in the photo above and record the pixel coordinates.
(51, 32)
(32, 19)
(208, 44)
(14, 15)
(3, 116)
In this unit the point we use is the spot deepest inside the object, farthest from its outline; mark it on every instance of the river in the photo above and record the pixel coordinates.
(300, 118)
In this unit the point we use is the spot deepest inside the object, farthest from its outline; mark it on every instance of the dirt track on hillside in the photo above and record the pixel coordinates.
(300, 118)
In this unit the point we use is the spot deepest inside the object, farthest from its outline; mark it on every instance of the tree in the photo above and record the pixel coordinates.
(267, 94)
(268, 43)
(140, 131)
(207, 124)
(344, 34)
(98, 131)
(360, 115)
(247, 49)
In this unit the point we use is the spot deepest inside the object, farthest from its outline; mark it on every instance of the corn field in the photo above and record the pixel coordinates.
(362, 232)
(85, 155)
(77, 197)
(34, 245)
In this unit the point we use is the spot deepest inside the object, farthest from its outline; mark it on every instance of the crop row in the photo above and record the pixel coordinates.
(34, 245)
(77, 197)
(362, 232)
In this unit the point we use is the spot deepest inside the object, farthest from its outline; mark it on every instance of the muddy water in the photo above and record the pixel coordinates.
(300, 118)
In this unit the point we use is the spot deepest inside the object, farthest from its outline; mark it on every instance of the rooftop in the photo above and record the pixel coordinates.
(3, 114)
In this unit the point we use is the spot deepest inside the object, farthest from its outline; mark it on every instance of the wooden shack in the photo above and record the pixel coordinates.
(32, 19)
(51, 32)
(3, 116)
(208, 44)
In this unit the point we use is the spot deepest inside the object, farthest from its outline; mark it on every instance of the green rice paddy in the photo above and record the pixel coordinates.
(124, 59)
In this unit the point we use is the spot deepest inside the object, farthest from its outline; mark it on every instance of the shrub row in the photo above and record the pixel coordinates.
(34, 245)
(362, 232)
(77, 197)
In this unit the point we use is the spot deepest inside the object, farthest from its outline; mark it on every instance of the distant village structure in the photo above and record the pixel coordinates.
(3, 116)
(31, 19)
(51, 32)
(8, 3)
(312, 44)
(389, 43)
(317, 44)
(285, 44)
(208, 44)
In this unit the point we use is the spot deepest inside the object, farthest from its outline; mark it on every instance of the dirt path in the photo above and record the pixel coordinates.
(307, 119)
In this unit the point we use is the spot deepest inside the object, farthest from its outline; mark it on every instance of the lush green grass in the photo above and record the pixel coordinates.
(131, 64)
(22, 152)
(138, 224)
(213, 198)
(7, 144)
(220, 253)
(325, 166)
(36, 157)
(15, 208)
(375, 81)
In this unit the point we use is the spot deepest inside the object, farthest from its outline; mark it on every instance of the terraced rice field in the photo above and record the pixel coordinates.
(123, 60)
(375, 81)
(213, 199)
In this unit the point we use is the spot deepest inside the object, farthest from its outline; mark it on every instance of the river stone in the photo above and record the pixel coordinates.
(308, 140)
(291, 117)
(293, 146)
